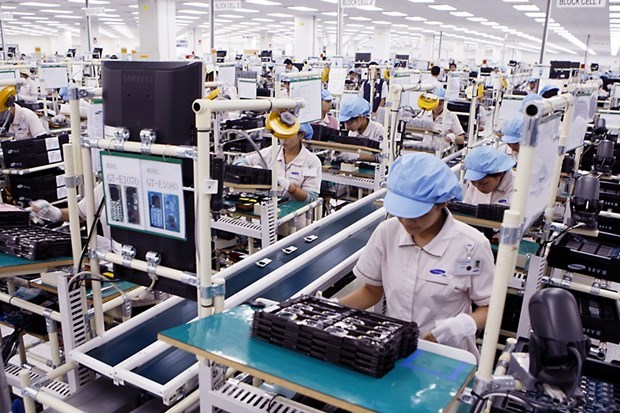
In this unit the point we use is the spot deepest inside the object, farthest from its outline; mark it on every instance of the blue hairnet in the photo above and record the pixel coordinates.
(532, 79)
(485, 160)
(512, 130)
(353, 108)
(307, 129)
(325, 95)
(529, 98)
(548, 88)
(417, 182)
(440, 92)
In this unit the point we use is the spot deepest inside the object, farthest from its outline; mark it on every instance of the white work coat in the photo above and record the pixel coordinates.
(26, 124)
(502, 194)
(446, 122)
(423, 284)
(374, 131)
(305, 171)
(29, 91)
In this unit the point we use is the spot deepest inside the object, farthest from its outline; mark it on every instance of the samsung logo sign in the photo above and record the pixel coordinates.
(576, 267)
(138, 78)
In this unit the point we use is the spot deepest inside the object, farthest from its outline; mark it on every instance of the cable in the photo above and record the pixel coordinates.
(249, 138)
(90, 233)
(543, 247)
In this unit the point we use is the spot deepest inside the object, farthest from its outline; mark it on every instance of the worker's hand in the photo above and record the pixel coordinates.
(348, 157)
(42, 209)
(450, 137)
(429, 337)
(284, 183)
(452, 331)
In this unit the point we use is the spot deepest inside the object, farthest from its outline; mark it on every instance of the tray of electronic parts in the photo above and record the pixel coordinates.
(246, 175)
(609, 196)
(363, 341)
(490, 212)
(599, 316)
(597, 257)
(38, 181)
(324, 133)
(34, 243)
(28, 153)
(12, 216)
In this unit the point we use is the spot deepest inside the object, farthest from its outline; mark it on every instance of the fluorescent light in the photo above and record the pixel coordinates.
(415, 18)
(394, 13)
(360, 18)
(461, 14)
(189, 11)
(382, 22)
(302, 8)
(516, 1)
(433, 23)
(526, 7)
(183, 18)
(280, 14)
(260, 19)
(611, 7)
(36, 4)
(246, 10)
(68, 17)
(489, 23)
(231, 16)
(536, 14)
(442, 7)
(52, 11)
(195, 4)
(477, 19)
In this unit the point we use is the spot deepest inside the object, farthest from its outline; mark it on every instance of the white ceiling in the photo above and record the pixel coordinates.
(494, 21)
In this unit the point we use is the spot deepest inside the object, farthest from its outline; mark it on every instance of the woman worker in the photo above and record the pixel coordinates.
(512, 136)
(326, 105)
(355, 113)
(430, 267)
(490, 176)
(299, 170)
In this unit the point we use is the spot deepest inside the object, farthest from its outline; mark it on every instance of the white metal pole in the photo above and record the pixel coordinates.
(55, 403)
(89, 193)
(74, 138)
(24, 379)
(74, 215)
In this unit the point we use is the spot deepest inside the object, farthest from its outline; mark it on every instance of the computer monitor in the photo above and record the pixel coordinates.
(98, 52)
(71, 52)
(221, 53)
(156, 95)
(401, 57)
(362, 57)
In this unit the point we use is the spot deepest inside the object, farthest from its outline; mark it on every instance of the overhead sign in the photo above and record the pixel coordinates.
(350, 4)
(6, 15)
(227, 5)
(95, 11)
(576, 4)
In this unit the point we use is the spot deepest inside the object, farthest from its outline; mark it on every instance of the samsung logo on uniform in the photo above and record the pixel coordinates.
(136, 78)
(437, 271)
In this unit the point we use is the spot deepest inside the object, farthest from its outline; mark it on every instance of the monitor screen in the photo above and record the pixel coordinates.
(401, 57)
(266, 53)
(71, 52)
(362, 57)
(159, 96)
(221, 53)
(98, 52)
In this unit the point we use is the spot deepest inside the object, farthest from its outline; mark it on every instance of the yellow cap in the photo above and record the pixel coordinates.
(283, 125)
(214, 93)
(5, 98)
(386, 74)
(325, 75)
(428, 101)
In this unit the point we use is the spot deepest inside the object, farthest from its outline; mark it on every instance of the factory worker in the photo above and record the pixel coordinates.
(549, 91)
(532, 84)
(28, 91)
(430, 267)
(434, 79)
(21, 123)
(380, 89)
(490, 176)
(299, 170)
(289, 67)
(355, 113)
(452, 66)
(352, 80)
(445, 121)
(326, 105)
(42, 209)
(512, 135)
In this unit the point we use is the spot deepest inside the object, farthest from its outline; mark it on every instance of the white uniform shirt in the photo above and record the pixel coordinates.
(502, 194)
(26, 124)
(374, 131)
(508, 151)
(421, 284)
(446, 122)
(305, 170)
(384, 88)
(291, 70)
(29, 91)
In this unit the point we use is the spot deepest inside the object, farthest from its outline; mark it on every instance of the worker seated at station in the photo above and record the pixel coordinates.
(490, 177)
(28, 91)
(326, 105)
(355, 113)
(511, 136)
(17, 122)
(299, 170)
(444, 120)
